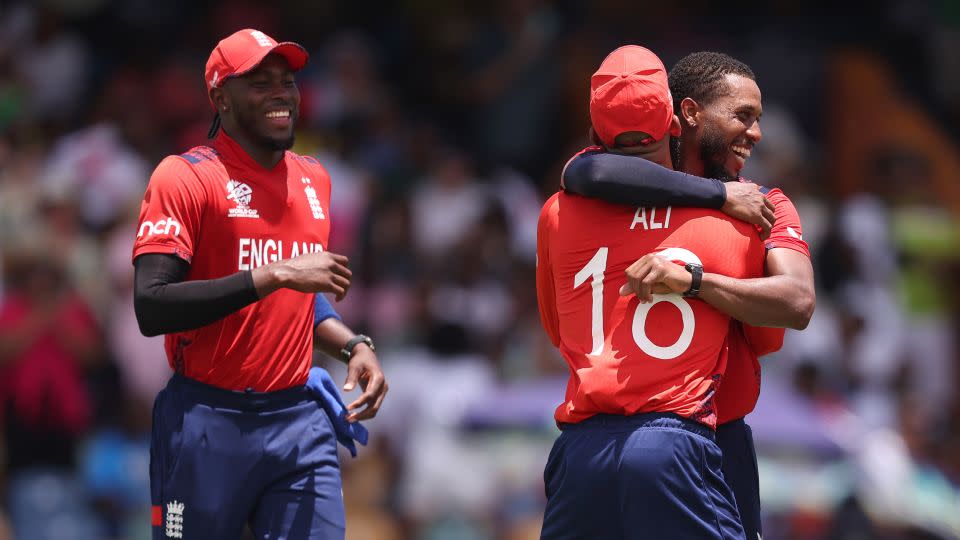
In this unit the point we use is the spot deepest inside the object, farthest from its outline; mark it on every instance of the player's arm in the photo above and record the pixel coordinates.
(546, 294)
(785, 298)
(634, 181)
(330, 335)
(165, 302)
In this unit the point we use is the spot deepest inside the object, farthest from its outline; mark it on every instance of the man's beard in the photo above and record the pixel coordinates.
(277, 144)
(713, 153)
(248, 124)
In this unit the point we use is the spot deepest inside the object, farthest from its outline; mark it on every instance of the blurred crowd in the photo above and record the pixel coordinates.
(444, 127)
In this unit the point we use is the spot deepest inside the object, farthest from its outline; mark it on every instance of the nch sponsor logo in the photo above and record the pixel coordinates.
(164, 226)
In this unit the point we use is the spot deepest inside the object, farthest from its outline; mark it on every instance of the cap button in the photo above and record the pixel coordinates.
(623, 75)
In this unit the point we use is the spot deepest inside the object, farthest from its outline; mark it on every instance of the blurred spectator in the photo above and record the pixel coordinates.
(448, 202)
(55, 65)
(511, 82)
(99, 169)
(48, 339)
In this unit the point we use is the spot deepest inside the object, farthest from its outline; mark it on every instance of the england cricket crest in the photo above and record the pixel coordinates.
(311, 193)
(174, 524)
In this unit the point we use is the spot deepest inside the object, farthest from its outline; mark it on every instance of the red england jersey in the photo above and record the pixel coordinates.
(222, 212)
(626, 357)
(740, 390)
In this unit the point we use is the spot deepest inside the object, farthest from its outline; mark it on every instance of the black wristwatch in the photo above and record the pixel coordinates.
(346, 353)
(696, 271)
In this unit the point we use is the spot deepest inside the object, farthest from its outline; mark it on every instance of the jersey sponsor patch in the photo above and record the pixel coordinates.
(241, 194)
(163, 227)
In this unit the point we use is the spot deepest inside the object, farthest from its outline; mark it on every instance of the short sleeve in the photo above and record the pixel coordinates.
(171, 211)
(787, 231)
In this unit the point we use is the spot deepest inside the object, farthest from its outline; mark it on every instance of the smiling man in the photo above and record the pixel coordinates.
(230, 252)
(636, 457)
(719, 106)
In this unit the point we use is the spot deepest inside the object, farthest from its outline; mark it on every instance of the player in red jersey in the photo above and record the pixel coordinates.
(720, 104)
(230, 251)
(636, 457)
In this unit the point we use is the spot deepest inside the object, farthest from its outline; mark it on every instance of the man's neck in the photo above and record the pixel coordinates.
(692, 164)
(266, 158)
(652, 153)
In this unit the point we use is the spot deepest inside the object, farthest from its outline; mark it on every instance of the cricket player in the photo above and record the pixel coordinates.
(720, 106)
(637, 456)
(230, 251)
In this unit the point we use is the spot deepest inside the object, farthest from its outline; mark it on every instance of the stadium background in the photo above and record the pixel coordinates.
(444, 127)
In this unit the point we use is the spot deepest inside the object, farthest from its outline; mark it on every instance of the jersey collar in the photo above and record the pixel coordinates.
(231, 149)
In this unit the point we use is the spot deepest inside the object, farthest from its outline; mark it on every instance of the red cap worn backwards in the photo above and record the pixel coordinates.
(630, 92)
(243, 50)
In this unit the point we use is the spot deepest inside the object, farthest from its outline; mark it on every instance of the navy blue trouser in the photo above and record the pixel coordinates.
(220, 459)
(651, 476)
(735, 440)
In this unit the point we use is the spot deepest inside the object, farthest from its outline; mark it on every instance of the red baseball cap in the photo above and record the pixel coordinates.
(243, 50)
(630, 92)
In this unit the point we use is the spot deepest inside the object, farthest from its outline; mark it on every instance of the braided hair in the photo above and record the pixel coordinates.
(701, 75)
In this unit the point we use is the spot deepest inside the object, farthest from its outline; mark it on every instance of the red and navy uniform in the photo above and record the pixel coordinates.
(738, 395)
(628, 180)
(220, 211)
(637, 451)
(740, 390)
(626, 357)
(237, 436)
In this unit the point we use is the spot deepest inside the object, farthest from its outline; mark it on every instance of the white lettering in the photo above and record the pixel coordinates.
(653, 220)
(270, 251)
(640, 217)
(244, 254)
(256, 252)
(164, 226)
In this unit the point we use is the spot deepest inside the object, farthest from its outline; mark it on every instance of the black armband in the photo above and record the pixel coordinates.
(636, 181)
(165, 303)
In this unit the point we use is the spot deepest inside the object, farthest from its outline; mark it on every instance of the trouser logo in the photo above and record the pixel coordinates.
(174, 527)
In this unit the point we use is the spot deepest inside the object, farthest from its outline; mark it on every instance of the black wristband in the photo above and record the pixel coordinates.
(696, 271)
(346, 353)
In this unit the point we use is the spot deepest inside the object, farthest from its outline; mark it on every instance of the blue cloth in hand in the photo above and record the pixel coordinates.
(321, 384)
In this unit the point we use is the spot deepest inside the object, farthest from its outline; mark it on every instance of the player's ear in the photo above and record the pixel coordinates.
(219, 99)
(689, 112)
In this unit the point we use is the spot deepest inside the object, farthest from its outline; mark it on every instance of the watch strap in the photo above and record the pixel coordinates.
(346, 353)
(696, 271)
